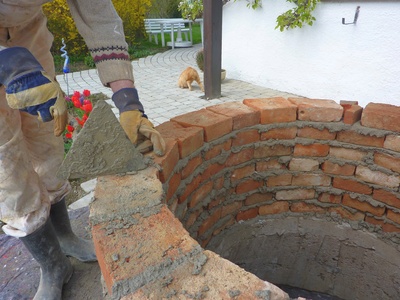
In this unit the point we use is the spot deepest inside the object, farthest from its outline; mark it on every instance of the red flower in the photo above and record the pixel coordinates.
(80, 122)
(76, 102)
(70, 128)
(87, 107)
(68, 135)
(77, 94)
(86, 93)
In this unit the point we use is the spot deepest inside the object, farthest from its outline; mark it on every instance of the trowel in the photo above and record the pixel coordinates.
(101, 148)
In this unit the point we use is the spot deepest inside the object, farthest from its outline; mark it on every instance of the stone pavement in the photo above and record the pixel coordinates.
(156, 80)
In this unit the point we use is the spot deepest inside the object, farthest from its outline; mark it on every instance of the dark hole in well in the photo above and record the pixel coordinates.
(313, 258)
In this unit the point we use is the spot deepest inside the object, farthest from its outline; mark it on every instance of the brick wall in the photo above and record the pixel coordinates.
(236, 161)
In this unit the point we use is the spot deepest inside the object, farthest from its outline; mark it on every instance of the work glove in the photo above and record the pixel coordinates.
(137, 127)
(30, 89)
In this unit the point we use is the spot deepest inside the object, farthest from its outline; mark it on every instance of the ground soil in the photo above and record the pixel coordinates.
(20, 274)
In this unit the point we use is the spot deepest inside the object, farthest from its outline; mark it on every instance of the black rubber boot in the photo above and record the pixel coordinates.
(71, 245)
(55, 267)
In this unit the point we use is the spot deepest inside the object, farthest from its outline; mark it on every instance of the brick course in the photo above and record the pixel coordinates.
(231, 163)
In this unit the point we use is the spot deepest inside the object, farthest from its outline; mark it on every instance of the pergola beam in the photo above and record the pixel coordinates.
(212, 17)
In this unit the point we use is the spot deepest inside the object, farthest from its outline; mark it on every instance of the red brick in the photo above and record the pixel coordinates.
(279, 180)
(377, 177)
(154, 232)
(273, 110)
(385, 226)
(317, 134)
(258, 198)
(329, 198)
(316, 149)
(243, 172)
(353, 137)
(242, 115)
(240, 157)
(362, 206)
(246, 137)
(297, 194)
(172, 186)
(349, 154)
(219, 183)
(274, 208)
(346, 104)
(381, 116)
(390, 198)
(216, 202)
(247, 214)
(301, 207)
(311, 180)
(172, 204)
(352, 186)
(394, 216)
(317, 110)
(189, 188)
(279, 134)
(218, 149)
(193, 217)
(303, 164)
(214, 125)
(231, 209)
(346, 214)
(268, 151)
(211, 170)
(200, 194)
(352, 115)
(248, 185)
(333, 168)
(168, 161)
(210, 221)
(272, 164)
(392, 142)
(189, 139)
(191, 166)
(387, 161)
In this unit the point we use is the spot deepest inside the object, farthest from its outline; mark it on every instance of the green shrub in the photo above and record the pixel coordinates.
(164, 9)
(62, 25)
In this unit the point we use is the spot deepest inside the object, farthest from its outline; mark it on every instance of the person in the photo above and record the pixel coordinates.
(33, 116)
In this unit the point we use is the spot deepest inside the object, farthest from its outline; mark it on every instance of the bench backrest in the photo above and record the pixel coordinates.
(151, 25)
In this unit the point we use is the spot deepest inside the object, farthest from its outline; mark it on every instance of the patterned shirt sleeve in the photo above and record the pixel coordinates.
(102, 30)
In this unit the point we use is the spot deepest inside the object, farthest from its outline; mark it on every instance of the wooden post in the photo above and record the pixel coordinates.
(212, 16)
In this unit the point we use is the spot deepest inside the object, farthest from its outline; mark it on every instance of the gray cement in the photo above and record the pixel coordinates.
(101, 148)
(314, 254)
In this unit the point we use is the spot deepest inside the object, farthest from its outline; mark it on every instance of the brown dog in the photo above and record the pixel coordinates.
(187, 77)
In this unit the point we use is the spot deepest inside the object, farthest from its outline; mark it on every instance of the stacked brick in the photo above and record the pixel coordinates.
(236, 161)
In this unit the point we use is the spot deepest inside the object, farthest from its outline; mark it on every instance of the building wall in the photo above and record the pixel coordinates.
(327, 60)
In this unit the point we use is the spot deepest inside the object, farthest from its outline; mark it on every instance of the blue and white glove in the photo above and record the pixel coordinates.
(30, 89)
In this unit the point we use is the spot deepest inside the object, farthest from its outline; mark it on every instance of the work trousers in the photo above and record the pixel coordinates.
(30, 154)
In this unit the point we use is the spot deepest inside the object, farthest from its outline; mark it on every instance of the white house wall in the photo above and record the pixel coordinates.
(327, 60)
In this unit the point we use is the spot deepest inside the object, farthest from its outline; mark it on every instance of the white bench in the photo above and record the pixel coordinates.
(154, 27)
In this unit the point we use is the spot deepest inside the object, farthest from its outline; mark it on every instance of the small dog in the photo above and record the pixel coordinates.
(187, 77)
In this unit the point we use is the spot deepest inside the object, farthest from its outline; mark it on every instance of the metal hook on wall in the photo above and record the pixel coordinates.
(355, 17)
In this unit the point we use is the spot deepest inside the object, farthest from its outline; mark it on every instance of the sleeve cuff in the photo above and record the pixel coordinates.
(114, 70)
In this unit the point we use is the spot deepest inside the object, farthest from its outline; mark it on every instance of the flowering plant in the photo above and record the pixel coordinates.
(81, 106)
(191, 9)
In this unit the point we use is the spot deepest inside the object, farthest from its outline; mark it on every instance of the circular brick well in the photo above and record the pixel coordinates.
(299, 192)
